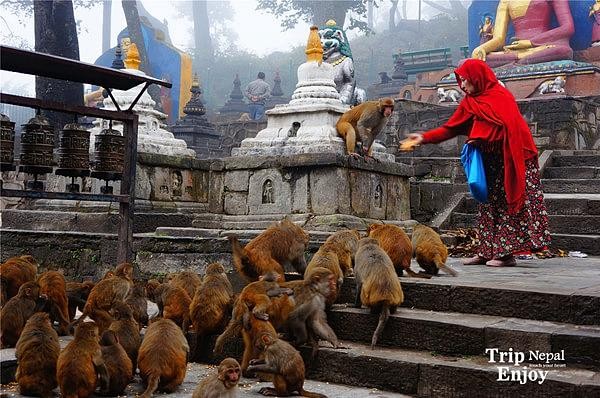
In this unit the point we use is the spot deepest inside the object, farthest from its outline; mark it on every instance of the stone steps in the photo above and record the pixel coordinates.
(467, 334)
(429, 374)
(565, 224)
(589, 244)
(570, 172)
(588, 158)
(568, 185)
(556, 203)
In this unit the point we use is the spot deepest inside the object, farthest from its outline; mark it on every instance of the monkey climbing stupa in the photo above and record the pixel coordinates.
(152, 137)
(307, 123)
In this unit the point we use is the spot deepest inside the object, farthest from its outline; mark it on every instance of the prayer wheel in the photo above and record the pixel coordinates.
(7, 144)
(109, 157)
(37, 146)
(74, 151)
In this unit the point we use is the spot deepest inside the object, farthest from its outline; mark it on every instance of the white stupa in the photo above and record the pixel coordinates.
(152, 136)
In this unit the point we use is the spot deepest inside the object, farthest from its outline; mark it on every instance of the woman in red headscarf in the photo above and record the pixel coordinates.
(514, 219)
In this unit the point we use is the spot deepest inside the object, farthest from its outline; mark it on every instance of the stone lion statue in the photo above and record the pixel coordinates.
(450, 95)
(553, 86)
(336, 51)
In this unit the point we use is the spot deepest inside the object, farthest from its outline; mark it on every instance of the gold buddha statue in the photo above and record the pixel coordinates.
(535, 40)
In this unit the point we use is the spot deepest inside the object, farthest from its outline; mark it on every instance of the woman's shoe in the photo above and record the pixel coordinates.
(502, 262)
(477, 260)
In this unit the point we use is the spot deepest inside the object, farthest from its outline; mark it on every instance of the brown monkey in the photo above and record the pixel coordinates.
(13, 273)
(16, 312)
(37, 352)
(281, 244)
(222, 384)
(162, 359)
(431, 253)
(377, 285)
(336, 255)
(211, 306)
(118, 364)
(265, 299)
(285, 363)
(188, 280)
(105, 294)
(52, 284)
(77, 295)
(126, 329)
(80, 363)
(394, 241)
(309, 313)
(109, 274)
(137, 300)
(173, 302)
(362, 124)
(253, 331)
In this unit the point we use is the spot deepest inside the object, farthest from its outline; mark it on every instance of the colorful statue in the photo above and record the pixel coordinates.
(595, 14)
(336, 51)
(486, 29)
(535, 39)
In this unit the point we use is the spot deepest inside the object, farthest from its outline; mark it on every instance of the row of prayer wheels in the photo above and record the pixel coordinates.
(37, 151)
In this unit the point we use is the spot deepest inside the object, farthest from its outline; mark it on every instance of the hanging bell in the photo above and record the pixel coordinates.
(109, 157)
(7, 144)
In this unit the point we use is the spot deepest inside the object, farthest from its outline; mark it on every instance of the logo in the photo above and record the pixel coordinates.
(510, 369)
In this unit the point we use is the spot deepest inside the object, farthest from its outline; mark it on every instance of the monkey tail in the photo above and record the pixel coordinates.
(233, 329)
(437, 259)
(309, 394)
(383, 317)
(153, 379)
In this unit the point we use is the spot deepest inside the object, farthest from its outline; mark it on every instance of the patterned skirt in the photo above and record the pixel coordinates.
(502, 234)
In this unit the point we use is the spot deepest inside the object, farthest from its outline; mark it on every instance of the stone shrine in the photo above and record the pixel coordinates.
(195, 129)
(235, 105)
(152, 136)
(277, 96)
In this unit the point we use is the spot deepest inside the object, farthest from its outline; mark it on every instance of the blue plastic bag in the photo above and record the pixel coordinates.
(472, 161)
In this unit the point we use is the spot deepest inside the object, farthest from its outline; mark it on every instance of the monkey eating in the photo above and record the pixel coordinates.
(52, 285)
(37, 352)
(126, 329)
(77, 295)
(137, 300)
(429, 250)
(285, 363)
(118, 364)
(377, 285)
(173, 302)
(281, 244)
(16, 311)
(223, 384)
(362, 124)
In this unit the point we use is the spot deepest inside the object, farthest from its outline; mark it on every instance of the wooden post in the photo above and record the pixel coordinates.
(125, 244)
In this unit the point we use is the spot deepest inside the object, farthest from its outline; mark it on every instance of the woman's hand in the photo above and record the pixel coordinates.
(412, 141)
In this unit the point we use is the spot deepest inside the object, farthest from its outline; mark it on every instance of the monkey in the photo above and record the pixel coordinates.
(162, 359)
(212, 303)
(137, 300)
(222, 384)
(126, 329)
(431, 253)
(109, 274)
(13, 273)
(265, 300)
(37, 353)
(363, 123)
(285, 363)
(80, 365)
(188, 280)
(310, 296)
(103, 296)
(173, 302)
(281, 244)
(377, 285)
(118, 363)
(52, 284)
(77, 295)
(17, 311)
(253, 330)
(394, 241)
(336, 255)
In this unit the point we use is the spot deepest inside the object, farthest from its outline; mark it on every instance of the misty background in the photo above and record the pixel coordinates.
(248, 36)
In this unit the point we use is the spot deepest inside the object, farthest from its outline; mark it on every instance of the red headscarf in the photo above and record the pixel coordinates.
(505, 125)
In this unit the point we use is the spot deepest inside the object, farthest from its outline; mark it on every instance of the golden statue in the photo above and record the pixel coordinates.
(133, 57)
(535, 40)
(314, 49)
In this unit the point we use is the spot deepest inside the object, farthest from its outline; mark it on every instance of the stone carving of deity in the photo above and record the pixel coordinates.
(486, 29)
(267, 194)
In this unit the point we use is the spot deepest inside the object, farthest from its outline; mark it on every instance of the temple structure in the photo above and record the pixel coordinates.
(277, 96)
(152, 135)
(235, 105)
(195, 129)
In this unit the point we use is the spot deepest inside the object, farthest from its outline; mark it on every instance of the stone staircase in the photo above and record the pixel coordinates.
(435, 345)
(571, 184)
